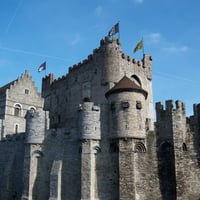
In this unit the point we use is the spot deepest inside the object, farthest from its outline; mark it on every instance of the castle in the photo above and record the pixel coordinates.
(90, 135)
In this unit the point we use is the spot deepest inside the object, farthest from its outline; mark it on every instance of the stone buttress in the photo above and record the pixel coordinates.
(171, 142)
(89, 127)
(128, 129)
(36, 125)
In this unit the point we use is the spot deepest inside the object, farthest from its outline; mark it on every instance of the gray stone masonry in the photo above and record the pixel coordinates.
(16, 98)
(91, 135)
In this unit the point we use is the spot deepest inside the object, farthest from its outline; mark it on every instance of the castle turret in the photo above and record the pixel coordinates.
(89, 127)
(127, 128)
(171, 142)
(171, 121)
(110, 57)
(46, 84)
(127, 101)
(36, 125)
(89, 118)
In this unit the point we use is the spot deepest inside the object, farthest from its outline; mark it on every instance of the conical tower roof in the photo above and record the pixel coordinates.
(126, 84)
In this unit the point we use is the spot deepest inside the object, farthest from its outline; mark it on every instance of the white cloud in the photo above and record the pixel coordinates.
(170, 47)
(175, 49)
(154, 37)
(98, 11)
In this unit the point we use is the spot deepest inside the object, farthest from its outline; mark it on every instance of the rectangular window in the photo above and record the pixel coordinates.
(26, 91)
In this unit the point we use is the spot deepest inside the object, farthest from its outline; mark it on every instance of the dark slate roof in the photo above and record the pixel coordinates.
(126, 84)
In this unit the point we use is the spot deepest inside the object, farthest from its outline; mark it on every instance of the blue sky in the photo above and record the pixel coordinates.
(64, 32)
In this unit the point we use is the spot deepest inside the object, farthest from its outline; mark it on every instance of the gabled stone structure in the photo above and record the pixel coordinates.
(16, 98)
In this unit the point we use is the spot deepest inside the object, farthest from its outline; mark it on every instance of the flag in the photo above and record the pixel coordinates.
(138, 46)
(42, 67)
(114, 30)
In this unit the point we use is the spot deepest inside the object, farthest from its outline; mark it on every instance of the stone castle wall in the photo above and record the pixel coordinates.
(23, 95)
(91, 79)
(93, 146)
(11, 165)
(181, 166)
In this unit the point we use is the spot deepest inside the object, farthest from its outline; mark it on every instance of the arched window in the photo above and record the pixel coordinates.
(37, 154)
(16, 128)
(166, 169)
(86, 99)
(136, 80)
(184, 147)
(32, 108)
(139, 148)
(17, 110)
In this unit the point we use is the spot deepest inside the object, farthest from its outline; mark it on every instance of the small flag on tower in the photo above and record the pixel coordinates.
(138, 46)
(42, 67)
(114, 30)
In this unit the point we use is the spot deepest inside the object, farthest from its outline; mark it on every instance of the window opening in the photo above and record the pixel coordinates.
(17, 110)
(26, 91)
(16, 128)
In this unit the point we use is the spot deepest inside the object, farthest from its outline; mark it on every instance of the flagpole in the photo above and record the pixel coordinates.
(45, 70)
(143, 46)
(118, 30)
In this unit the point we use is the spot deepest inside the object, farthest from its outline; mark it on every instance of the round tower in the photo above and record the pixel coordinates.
(37, 122)
(110, 60)
(89, 127)
(127, 112)
(89, 121)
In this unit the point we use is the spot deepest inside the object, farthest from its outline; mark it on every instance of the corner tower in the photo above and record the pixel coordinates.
(128, 130)
(37, 123)
(127, 103)
(110, 59)
(114, 63)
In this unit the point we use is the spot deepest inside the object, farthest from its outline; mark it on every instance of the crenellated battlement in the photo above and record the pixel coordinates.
(170, 118)
(170, 106)
(194, 120)
(95, 53)
(146, 60)
(108, 40)
(62, 78)
(110, 58)
(48, 79)
(102, 134)
(81, 64)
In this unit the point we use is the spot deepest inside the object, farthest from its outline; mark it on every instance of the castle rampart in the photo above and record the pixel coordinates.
(36, 125)
(95, 139)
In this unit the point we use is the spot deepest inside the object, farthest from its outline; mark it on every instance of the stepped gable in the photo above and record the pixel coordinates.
(126, 84)
(12, 83)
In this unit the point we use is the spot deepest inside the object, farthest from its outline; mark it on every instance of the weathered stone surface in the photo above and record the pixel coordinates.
(93, 146)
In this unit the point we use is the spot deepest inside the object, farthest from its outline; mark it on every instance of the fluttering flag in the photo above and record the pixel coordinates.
(138, 46)
(42, 67)
(114, 30)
